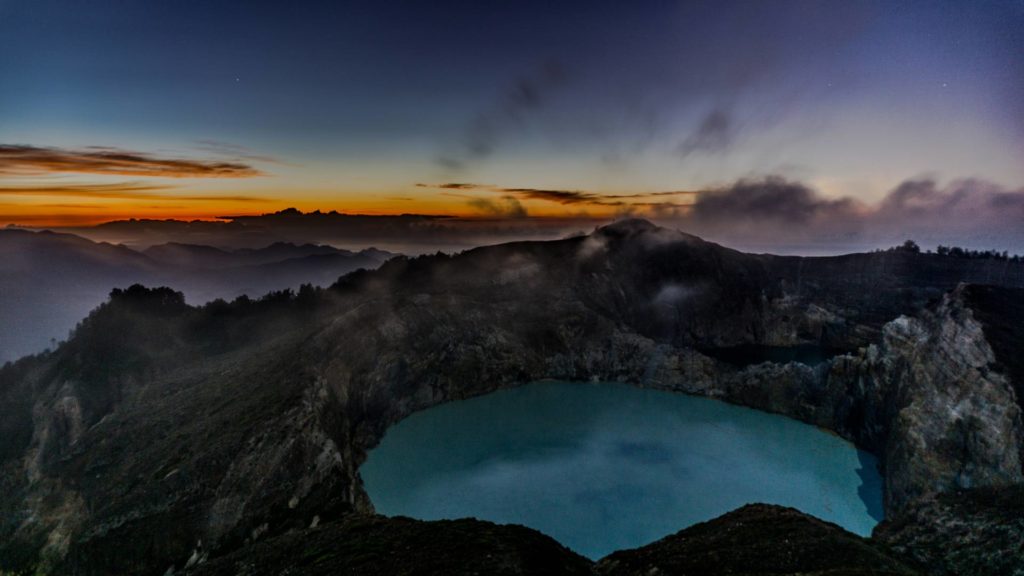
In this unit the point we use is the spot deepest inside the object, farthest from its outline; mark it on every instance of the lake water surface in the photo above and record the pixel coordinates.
(602, 467)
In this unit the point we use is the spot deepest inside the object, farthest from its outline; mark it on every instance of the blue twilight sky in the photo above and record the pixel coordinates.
(348, 105)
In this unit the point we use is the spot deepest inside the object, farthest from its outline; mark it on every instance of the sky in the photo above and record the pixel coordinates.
(512, 110)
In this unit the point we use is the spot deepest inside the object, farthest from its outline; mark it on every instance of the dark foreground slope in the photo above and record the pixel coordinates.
(758, 540)
(163, 432)
(755, 540)
(377, 546)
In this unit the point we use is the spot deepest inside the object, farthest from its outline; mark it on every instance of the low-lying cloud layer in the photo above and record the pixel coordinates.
(505, 207)
(769, 214)
(24, 160)
(776, 212)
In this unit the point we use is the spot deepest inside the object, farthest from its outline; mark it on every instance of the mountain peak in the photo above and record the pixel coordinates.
(627, 227)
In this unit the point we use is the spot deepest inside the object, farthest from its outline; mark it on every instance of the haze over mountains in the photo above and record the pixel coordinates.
(770, 214)
(240, 242)
(50, 281)
(406, 233)
(256, 415)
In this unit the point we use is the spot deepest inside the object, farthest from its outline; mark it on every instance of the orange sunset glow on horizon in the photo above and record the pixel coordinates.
(41, 187)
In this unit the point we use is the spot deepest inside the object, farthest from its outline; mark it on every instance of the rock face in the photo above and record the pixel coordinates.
(163, 434)
(953, 421)
(757, 540)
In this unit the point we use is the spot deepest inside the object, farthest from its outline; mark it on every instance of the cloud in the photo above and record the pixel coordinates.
(452, 186)
(117, 190)
(506, 207)
(772, 212)
(673, 294)
(114, 190)
(24, 160)
(715, 134)
(564, 197)
(523, 96)
(772, 199)
(965, 206)
(776, 212)
(769, 214)
(234, 150)
(559, 196)
(656, 194)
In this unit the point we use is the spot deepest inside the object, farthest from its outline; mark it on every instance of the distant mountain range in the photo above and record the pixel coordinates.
(49, 281)
(406, 233)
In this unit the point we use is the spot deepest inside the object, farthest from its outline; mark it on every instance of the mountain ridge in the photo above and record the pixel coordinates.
(256, 414)
(51, 280)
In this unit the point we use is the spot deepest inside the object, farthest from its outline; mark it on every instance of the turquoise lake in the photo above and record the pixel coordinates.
(602, 467)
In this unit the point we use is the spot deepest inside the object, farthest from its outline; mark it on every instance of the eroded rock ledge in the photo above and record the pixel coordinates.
(162, 435)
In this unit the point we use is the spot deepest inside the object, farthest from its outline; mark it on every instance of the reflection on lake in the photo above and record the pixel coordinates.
(601, 467)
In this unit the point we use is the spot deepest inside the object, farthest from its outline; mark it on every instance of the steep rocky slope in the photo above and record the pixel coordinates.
(162, 432)
(947, 418)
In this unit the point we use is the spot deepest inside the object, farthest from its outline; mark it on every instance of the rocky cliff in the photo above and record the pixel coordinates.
(163, 435)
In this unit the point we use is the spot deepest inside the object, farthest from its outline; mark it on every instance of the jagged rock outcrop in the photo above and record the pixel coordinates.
(163, 434)
(949, 420)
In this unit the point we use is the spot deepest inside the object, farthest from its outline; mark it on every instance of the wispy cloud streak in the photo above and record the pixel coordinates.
(25, 160)
(564, 197)
(119, 191)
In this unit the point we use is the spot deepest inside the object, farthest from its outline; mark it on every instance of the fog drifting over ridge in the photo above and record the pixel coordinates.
(766, 214)
(774, 214)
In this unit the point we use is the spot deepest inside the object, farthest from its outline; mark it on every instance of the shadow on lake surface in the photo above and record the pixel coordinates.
(871, 487)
